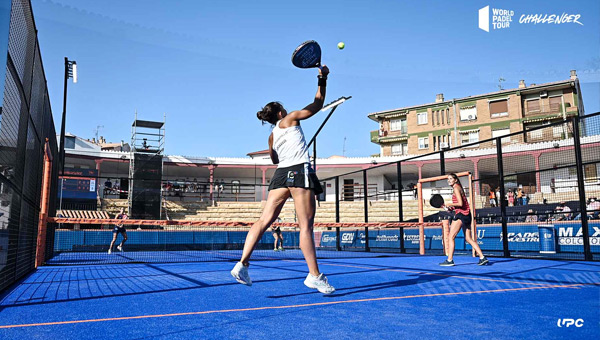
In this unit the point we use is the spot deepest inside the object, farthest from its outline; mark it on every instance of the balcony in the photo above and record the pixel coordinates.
(552, 109)
(379, 136)
(375, 136)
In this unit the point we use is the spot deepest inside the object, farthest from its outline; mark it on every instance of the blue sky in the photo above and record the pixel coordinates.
(210, 65)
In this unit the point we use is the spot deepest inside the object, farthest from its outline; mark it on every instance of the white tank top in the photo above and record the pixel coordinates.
(290, 145)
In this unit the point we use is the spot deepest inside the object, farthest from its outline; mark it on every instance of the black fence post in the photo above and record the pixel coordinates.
(581, 188)
(442, 163)
(501, 198)
(400, 209)
(399, 177)
(366, 208)
(315, 155)
(337, 214)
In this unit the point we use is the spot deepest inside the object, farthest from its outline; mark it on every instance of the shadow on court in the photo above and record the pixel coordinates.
(369, 288)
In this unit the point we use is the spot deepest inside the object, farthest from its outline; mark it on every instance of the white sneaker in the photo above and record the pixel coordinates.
(281, 249)
(319, 283)
(119, 248)
(240, 273)
(110, 251)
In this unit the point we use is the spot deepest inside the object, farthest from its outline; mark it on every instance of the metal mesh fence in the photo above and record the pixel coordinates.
(26, 122)
(530, 188)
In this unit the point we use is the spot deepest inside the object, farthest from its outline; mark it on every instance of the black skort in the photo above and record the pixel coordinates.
(119, 229)
(296, 176)
(466, 219)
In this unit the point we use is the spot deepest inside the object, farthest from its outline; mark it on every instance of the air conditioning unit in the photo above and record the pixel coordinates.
(443, 145)
(471, 117)
(543, 94)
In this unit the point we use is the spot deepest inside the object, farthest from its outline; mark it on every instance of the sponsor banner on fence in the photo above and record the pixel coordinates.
(521, 237)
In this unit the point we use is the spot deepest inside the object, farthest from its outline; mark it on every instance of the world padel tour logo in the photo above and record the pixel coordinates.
(503, 18)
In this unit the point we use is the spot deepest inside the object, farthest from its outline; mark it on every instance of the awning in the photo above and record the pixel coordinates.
(468, 131)
(393, 139)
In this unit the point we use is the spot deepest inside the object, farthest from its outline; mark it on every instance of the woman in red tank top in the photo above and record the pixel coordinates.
(461, 220)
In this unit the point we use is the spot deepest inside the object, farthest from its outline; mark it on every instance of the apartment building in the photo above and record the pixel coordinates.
(425, 128)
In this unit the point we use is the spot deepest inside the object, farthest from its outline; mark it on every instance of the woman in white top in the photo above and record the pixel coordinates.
(294, 177)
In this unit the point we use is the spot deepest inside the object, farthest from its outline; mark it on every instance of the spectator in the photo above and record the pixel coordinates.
(498, 197)
(526, 200)
(519, 200)
(593, 209)
(107, 186)
(565, 212)
(492, 196)
(510, 196)
(221, 186)
(531, 217)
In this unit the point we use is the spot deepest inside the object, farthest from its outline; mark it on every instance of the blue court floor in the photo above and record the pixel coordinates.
(394, 297)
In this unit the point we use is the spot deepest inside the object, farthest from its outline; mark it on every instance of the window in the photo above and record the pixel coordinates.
(555, 104)
(235, 187)
(437, 115)
(399, 149)
(433, 118)
(536, 134)
(501, 132)
(468, 113)
(557, 131)
(423, 143)
(533, 105)
(421, 118)
(445, 142)
(69, 142)
(469, 137)
(447, 116)
(499, 108)
(590, 173)
(398, 124)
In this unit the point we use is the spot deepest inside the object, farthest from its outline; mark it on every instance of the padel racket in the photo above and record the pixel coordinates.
(307, 55)
(436, 201)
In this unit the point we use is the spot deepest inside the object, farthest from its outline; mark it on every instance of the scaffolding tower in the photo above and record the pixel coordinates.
(145, 168)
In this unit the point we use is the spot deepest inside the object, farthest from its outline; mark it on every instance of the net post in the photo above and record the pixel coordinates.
(421, 227)
(402, 249)
(45, 199)
(337, 214)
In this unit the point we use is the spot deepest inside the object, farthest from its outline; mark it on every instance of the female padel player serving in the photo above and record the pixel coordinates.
(294, 176)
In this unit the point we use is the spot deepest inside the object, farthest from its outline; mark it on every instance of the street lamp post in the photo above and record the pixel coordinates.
(70, 72)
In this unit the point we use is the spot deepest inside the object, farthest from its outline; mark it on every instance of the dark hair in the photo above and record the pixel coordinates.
(456, 179)
(269, 112)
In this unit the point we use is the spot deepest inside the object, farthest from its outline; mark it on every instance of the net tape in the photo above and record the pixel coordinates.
(65, 220)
